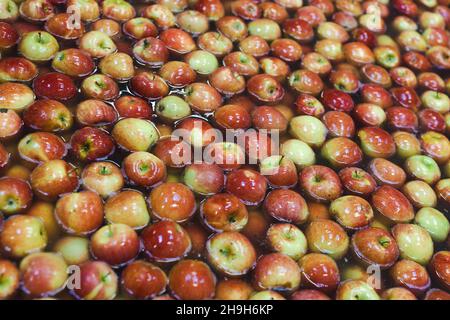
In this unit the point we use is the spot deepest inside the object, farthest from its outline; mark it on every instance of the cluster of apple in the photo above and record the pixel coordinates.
(357, 91)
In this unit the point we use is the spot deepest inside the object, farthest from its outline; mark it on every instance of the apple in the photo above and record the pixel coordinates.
(79, 213)
(309, 129)
(339, 124)
(151, 51)
(398, 293)
(133, 107)
(9, 279)
(127, 207)
(17, 69)
(48, 115)
(97, 282)
(279, 171)
(309, 294)
(356, 290)
(161, 14)
(134, 134)
(139, 28)
(392, 205)
(192, 280)
(247, 185)
(97, 43)
(286, 205)
(299, 152)
(204, 178)
(230, 253)
(43, 274)
(166, 241)
(74, 250)
(89, 9)
(420, 194)
(102, 177)
(386, 172)
(357, 181)
(341, 152)
(224, 212)
(423, 168)
(336, 243)
(15, 96)
(143, 280)
(41, 147)
(22, 235)
(266, 295)
(287, 239)
(119, 10)
(116, 244)
(437, 294)
(45, 211)
(406, 143)
(118, 66)
(319, 272)
(62, 26)
(92, 112)
(276, 271)
(15, 195)
(414, 242)
(204, 98)
(38, 46)
(352, 212)
(73, 62)
(410, 275)
(233, 289)
(320, 183)
(8, 35)
(54, 85)
(11, 124)
(434, 222)
(53, 178)
(439, 267)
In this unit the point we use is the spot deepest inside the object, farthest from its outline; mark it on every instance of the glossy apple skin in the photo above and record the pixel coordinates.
(54, 85)
(339, 124)
(133, 134)
(171, 147)
(133, 107)
(48, 115)
(337, 100)
(351, 212)
(233, 289)
(375, 246)
(43, 274)
(15, 195)
(336, 243)
(53, 178)
(287, 206)
(319, 272)
(224, 212)
(414, 242)
(437, 294)
(376, 142)
(11, 276)
(143, 169)
(373, 93)
(8, 35)
(89, 144)
(410, 275)
(398, 293)
(102, 177)
(80, 213)
(131, 202)
(173, 201)
(22, 235)
(192, 280)
(309, 294)
(357, 181)
(431, 120)
(94, 112)
(177, 40)
(15, 96)
(74, 250)
(73, 62)
(320, 183)
(286, 49)
(276, 271)
(356, 290)
(17, 69)
(41, 147)
(392, 205)
(231, 253)
(149, 85)
(401, 118)
(439, 268)
(4, 156)
(98, 282)
(10, 123)
(341, 152)
(279, 171)
(247, 185)
(143, 280)
(116, 244)
(386, 172)
(204, 178)
(166, 241)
